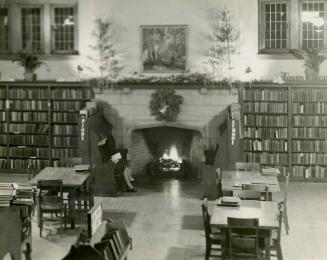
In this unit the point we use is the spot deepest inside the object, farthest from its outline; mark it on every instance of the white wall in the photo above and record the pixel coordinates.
(128, 15)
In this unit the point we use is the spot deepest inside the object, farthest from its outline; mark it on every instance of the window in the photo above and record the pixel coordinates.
(313, 27)
(4, 30)
(31, 28)
(274, 22)
(308, 25)
(63, 29)
(43, 26)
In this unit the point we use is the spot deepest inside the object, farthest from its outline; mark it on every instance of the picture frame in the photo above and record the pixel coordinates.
(164, 48)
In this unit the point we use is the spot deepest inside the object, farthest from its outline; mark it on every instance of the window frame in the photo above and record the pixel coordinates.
(300, 32)
(8, 51)
(52, 37)
(261, 28)
(42, 43)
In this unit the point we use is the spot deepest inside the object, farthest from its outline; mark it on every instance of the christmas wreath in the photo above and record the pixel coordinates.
(165, 104)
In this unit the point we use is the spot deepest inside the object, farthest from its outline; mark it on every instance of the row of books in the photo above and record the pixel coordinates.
(71, 93)
(23, 151)
(24, 163)
(68, 105)
(318, 146)
(309, 94)
(265, 120)
(266, 158)
(64, 152)
(2, 116)
(3, 151)
(265, 94)
(2, 104)
(315, 171)
(65, 117)
(313, 120)
(310, 108)
(3, 163)
(29, 139)
(28, 128)
(28, 93)
(3, 139)
(29, 116)
(309, 132)
(264, 107)
(65, 129)
(309, 158)
(29, 105)
(16, 193)
(65, 141)
(265, 145)
(2, 91)
(272, 133)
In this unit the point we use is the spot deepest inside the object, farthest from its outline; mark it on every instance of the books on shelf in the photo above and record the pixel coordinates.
(6, 194)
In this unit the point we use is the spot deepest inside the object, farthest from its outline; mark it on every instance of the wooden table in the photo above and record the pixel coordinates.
(265, 211)
(233, 180)
(72, 181)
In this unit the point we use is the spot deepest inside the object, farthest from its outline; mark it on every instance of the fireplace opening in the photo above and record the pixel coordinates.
(166, 151)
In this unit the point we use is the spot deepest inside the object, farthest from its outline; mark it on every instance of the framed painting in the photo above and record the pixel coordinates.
(163, 48)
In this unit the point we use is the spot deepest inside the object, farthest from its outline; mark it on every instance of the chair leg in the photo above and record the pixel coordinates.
(207, 252)
(40, 224)
(279, 253)
(287, 227)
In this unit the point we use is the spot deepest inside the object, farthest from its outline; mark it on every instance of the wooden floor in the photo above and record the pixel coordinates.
(165, 222)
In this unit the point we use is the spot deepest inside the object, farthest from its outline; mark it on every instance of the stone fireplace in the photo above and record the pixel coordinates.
(199, 126)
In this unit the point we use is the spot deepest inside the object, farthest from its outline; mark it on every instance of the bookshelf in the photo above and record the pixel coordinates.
(285, 126)
(39, 122)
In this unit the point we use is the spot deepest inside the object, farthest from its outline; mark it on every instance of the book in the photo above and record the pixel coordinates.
(81, 167)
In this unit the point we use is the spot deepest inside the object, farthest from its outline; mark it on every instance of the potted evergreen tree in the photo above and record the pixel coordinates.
(30, 62)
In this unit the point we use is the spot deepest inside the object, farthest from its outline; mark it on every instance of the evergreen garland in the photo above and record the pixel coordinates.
(165, 104)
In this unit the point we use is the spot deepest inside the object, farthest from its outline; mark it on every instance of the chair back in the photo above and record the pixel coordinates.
(50, 194)
(247, 194)
(262, 188)
(243, 237)
(206, 221)
(247, 166)
(104, 249)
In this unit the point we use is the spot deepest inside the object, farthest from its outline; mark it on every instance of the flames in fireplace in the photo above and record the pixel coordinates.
(169, 162)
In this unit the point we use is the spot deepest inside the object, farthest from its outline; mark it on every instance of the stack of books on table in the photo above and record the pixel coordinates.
(23, 194)
(6, 194)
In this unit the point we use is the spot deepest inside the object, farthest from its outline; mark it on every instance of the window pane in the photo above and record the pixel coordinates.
(313, 24)
(276, 25)
(64, 29)
(31, 28)
(4, 30)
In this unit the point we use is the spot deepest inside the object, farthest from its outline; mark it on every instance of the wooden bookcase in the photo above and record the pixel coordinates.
(39, 122)
(285, 126)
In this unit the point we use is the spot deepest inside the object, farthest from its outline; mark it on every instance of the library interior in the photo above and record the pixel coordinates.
(163, 130)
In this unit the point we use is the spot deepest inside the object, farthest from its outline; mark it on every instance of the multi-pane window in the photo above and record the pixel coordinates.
(4, 30)
(63, 29)
(275, 20)
(31, 28)
(313, 24)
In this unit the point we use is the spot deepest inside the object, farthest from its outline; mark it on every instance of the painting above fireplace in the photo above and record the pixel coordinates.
(163, 48)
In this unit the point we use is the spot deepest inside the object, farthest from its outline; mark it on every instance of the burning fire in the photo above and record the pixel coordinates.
(173, 155)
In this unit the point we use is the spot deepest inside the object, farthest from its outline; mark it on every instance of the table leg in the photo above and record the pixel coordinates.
(71, 201)
(267, 246)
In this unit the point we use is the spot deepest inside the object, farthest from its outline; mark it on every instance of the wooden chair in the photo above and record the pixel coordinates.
(50, 200)
(275, 242)
(85, 196)
(212, 239)
(262, 188)
(247, 166)
(243, 238)
(285, 217)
